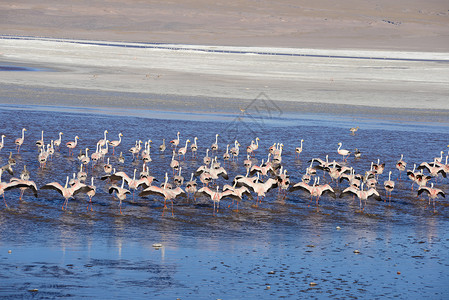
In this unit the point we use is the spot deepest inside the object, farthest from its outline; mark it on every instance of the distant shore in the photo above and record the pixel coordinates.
(402, 25)
(219, 79)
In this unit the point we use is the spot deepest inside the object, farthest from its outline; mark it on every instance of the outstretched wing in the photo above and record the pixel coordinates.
(83, 189)
(327, 189)
(373, 193)
(22, 184)
(349, 191)
(423, 189)
(204, 191)
(152, 190)
(53, 186)
(301, 186)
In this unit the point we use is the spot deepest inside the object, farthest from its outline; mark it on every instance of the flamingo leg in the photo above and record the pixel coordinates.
(6, 205)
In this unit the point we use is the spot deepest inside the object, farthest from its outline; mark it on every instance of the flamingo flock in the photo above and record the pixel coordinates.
(217, 173)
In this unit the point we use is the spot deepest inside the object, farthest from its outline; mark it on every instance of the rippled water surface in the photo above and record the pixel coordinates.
(274, 250)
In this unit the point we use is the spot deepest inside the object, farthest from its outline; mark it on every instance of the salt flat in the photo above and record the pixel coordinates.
(389, 79)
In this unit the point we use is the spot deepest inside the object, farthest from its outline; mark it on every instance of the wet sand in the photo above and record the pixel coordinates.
(157, 77)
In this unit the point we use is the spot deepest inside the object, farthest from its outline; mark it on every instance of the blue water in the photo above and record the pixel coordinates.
(274, 250)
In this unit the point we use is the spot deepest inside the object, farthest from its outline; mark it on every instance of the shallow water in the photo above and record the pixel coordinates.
(274, 250)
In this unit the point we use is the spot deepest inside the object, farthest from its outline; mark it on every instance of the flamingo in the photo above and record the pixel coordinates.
(145, 171)
(298, 150)
(25, 174)
(440, 158)
(163, 146)
(90, 194)
(116, 143)
(389, 186)
(303, 185)
(22, 184)
(226, 156)
(261, 188)
(178, 179)
(103, 142)
(3, 186)
(207, 160)
(174, 164)
(86, 159)
(378, 168)
(121, 158)
(241, 180)
(175, 142)
(71, 145)
(235, 150)
(96, 155)
(434, 169)
(315, 190)
(104, 151)
(432, 192)
(146, 154)
(353, 130)
(237, 192)
(20, 141)
(51, 150)
(361, 194)
(353, 179)
(205, 178)
(247, 163)
(262, 169)
(216, 170)
(2, 143)
(214, 146)
(136, 149)
(8, 169)
(40, 143)
(400, 165)
(42, 157)
(253, 147)
(120, 192)
(133, 183)
(57, 142)
(81, 175)
(194, 147)
(65, 191)
(343, 152)
(422, 179)
(107, 168)
(191, 186)
(412, 175)
(167, 193)
(215, 195)
(306, 177)
(277, 155)
(283, 182)
(183, 150)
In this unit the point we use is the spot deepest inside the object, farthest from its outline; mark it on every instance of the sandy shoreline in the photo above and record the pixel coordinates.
(193, 80)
